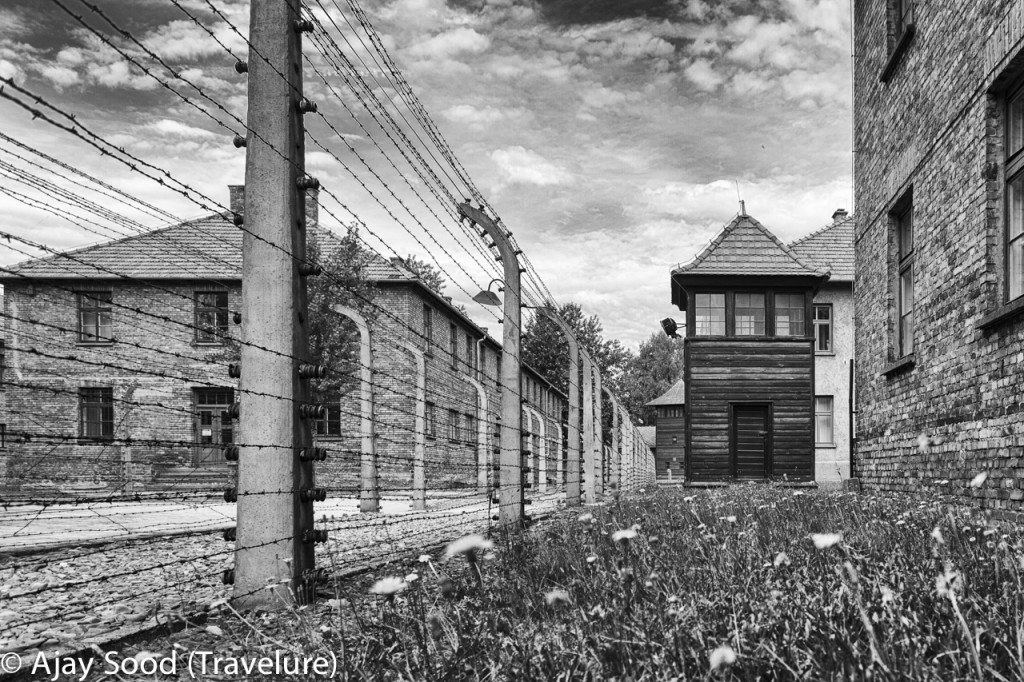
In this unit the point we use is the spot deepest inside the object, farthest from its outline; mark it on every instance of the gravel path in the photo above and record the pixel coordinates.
(65, 599)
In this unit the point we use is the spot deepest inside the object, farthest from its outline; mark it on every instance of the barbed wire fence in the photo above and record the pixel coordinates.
(170, 438)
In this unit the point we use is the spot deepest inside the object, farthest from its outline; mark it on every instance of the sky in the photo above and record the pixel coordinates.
(613, 137)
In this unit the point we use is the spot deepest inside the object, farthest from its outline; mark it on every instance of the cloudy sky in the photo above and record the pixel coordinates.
(612, 136)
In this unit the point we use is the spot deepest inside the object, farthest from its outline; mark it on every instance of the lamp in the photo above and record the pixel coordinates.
(488, 297)
(670, 327)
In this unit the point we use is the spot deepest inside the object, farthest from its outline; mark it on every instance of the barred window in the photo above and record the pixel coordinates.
(330, 425)
(96, 413)
(431, 420)
(95, 316)
(211, 316)
(453, 343)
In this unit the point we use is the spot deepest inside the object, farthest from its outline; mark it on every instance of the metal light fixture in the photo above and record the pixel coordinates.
(489, 297)
(670, 327)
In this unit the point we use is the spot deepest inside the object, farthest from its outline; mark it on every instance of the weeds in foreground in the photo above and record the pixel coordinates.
(741, 583)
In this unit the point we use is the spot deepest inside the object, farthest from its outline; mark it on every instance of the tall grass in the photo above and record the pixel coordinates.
(740, 583)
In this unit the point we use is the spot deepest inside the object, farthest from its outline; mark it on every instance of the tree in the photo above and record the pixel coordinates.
(654, 370)
(547, 351)
(334, 339)
(426, 272)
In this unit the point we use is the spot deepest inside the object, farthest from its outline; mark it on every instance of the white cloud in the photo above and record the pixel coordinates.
(702, 74)
(519, 165)
(457, 42)
(169, 128)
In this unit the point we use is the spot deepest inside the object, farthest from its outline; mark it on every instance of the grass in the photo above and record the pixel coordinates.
(740, 583)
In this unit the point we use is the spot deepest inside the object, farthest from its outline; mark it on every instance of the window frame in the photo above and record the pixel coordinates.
(802, 327)
(905, 268)
(428, 325)
(453, 426)
(736, 317)
(105, 405)
(218, 337)
(431, 420)
(696, 314)
(1013, 170)
(818, 324)
(100, 309)
(831, 414)
(453, 344)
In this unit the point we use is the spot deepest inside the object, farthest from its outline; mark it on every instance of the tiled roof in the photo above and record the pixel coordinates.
(208, 248)
(830, 248)
(675, 395)
(746, 247)
(648, 433)
(205, 248)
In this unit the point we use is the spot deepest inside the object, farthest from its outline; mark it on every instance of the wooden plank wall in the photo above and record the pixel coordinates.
(721, 371)
(666, 450)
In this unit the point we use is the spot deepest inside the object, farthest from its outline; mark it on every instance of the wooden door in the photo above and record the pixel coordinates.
(212, 425)
(751, 441)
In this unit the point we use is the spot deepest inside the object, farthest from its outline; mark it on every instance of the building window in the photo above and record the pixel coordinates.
(901, 19)
(330, 425)
(1015, 196)
(428, 324)
(824, 434)
(709, 312)
(431, 420)
(468, 435)
(96, 413)
(905, 279)
(453, 426)
(823, 329)
(470, 353)
(453, 344)
(789, 315)
(211, 316)
(749, 314)
(95, 316)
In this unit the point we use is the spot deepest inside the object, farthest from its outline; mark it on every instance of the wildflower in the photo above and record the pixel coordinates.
(411, 578)
(557, 598)
(586, 518)
(947, 581)
(781, 558)
(979, 480)
(424, 559)
(722, 656)
(214, 630)
(730, 519)
(388, 587)
(673, 599)
(335, 604)
(937, 535)
(623, 535)
(654, 539)
(468, 546)
(598, 612)
(825, 540)
(648, 584)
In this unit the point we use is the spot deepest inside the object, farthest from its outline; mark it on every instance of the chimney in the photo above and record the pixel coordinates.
(237, 204)
(840, 214)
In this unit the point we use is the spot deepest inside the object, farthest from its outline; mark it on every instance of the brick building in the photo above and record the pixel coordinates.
(117, 372)
(767, 358)
(938, 113)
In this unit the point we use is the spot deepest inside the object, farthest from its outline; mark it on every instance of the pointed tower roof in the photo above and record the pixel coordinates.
(675, 395)
(746, 247)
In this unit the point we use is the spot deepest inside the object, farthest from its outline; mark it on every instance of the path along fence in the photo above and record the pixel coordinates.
(268, 393)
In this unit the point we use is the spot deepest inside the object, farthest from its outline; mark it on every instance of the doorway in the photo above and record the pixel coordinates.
(212, 425)
(751, 441)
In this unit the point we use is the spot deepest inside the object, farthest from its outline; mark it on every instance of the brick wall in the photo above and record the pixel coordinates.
(933, 131)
